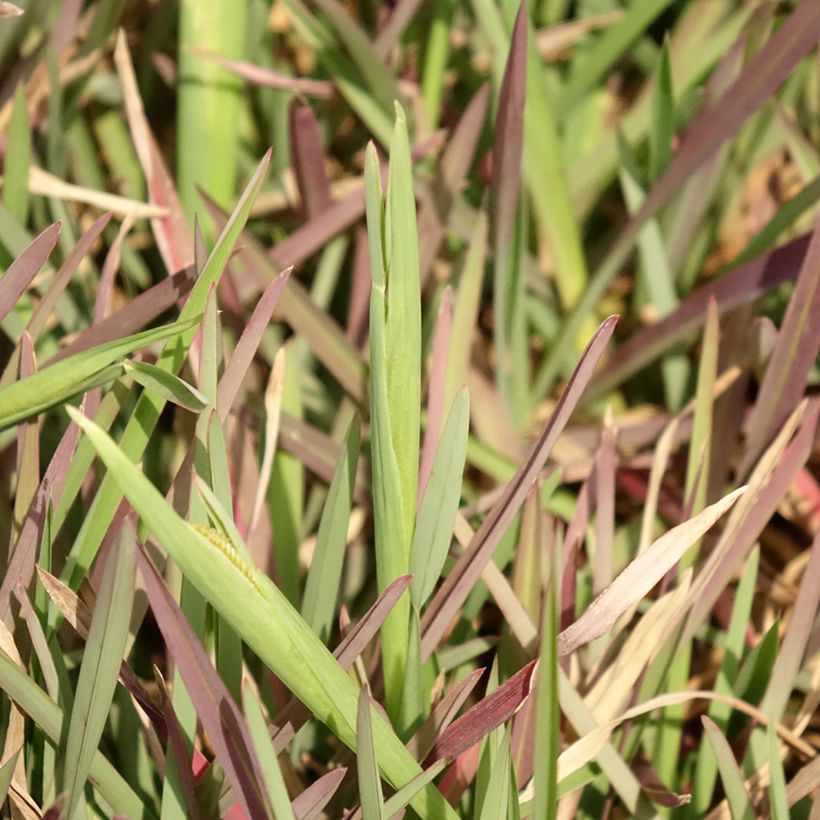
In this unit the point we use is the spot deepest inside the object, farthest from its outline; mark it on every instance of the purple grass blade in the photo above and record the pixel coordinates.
(760, 78)
(370, 623)
(454, 591)
(358, 308)
(308, 159)
(739, 287)
(455, 162)
(795, 351)
(325, 338)
(314, 798)
(43, 310)
(267, 77)
(25, 267)
(140, 311)
(605, 465)
(488, 714)
(179, 752)
(402, 13)
(709, 129)
(20, 568)
(64, 29)
(436, 410)
(215, 708)
(248, 344)
(442, 715)
(508, 145)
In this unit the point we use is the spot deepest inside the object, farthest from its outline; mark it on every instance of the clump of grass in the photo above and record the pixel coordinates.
(457, 462)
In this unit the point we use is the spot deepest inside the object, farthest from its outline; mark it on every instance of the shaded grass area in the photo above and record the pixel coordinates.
(409, 407)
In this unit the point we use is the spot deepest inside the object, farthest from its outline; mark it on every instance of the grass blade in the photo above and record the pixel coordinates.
(739, 803)
(325, 573)
(101, 664)
(260, 614)
(439, 507)
(370, 789)
(470, 565)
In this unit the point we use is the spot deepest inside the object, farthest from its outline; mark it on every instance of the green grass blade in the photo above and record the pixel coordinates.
(370, 787)
(608, 49)
(739, 803)
(100, 667)
(50, 718)
(271, 773)
(395, 388)
(53, 385)
(548, 715)
(325, 573)
(439, 507)
(663, 117)
(703, 783)
(167, 385)
(260, 614)
(18, 153)
(778, 799)
(394, 805)
(208, 102)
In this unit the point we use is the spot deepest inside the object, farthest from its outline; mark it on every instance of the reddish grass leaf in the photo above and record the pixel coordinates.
(257, 75)
(248, 344)
(739, 287)
(308, 159)
(461, 579)
(20, 568)
(46, 305)
(509, 143)
(315, 797)
(25, 267)
(140, 311)
(178, 750)
(435, 391)
(214, 706)
(171, 232)
(488, 714)
(442, 715)
(794, 353)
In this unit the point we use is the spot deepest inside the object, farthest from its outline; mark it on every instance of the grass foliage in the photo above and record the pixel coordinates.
(409, 408)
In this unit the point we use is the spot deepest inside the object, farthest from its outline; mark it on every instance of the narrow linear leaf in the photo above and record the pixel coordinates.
(640, 576)
(167, 385)
(739, 803)
(370, 788)
(25, 267)
(260, 614)
(452, 594)
(100, 667)
(439, 506)
(324, 576)
(59, 382)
